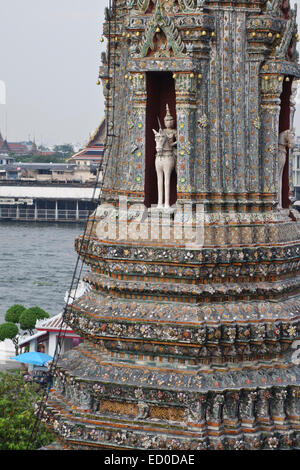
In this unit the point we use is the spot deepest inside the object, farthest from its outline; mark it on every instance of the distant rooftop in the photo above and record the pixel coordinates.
(94, 150)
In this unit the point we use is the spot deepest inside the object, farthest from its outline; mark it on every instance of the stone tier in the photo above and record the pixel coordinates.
(101, 403)
(186, 227)
(258, 263)
(197, 305)
(165, 290)
(220, 333)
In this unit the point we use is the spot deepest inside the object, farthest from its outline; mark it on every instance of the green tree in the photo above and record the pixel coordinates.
(29, 318)
(67, 150)
(10, 330)
(14, 312)
(26, 318)
(38, 312)
(17, 419)
(53, 158)
(27, 321)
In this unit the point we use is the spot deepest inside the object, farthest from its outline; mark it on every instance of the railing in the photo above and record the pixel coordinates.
(50, 183)
(47, 215)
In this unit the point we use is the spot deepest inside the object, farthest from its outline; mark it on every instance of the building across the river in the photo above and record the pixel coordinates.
(47, 172)
(6, 160)
(15, 148)
(46, 202)
(51, 192)
(48, 192)
(92, 153)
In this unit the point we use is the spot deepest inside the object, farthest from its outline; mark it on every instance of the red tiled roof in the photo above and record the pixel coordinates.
(90, 153)
(16, 145)
(94, 150)
(99, 135)
(44, 153)
(4, 147)
(53, 324)
(13, 147)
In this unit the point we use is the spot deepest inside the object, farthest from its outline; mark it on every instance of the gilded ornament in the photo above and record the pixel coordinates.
(256, 122)
(203, 121)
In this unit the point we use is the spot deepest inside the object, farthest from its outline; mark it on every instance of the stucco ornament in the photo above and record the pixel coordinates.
(130, 3)
(291, 28)
(165, 45)
(165, 161)
(185, 5)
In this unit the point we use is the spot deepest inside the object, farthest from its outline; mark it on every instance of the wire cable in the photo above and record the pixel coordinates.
(108, 146)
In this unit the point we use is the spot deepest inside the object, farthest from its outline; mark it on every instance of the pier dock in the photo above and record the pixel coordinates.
(46, 202)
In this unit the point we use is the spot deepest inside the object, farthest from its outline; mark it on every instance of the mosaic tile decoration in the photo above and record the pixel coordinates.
(191, 347)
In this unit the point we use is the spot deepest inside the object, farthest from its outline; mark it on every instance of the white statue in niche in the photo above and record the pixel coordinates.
(286, 141)
(165, 160)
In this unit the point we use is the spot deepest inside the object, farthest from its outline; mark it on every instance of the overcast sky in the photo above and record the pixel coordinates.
(49, 59)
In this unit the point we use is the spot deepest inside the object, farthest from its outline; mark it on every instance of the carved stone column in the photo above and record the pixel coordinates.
(196, 411)
(247, 409)
(293, 406)
(215, 413)
(292, 118)
(271, 87)
(230, 411)
(137, 129)
(254, 122)
(278, 408)
(186, 85)
(262, 409)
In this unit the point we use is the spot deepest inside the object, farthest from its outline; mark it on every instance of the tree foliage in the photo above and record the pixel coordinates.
(8, 330)
(38, 312)
(67, 150)
(52, 158)
(29, 318)
(26, 318)
(27, 321)
(17, 419)
(14, 312)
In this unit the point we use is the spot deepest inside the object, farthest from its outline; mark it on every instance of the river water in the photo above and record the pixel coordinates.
(37, 262)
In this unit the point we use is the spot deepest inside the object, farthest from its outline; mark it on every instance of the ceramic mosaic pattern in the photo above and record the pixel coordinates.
(191, 348)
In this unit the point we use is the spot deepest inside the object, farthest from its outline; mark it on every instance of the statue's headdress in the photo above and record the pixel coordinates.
(168, 116)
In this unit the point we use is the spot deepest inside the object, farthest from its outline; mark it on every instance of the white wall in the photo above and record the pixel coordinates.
(7, 350)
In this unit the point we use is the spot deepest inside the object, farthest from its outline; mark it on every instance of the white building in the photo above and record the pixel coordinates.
(47, 202)
(5, 159)
(47, 335)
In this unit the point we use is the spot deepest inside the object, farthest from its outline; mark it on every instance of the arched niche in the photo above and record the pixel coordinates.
(284, 124)
(160, 92)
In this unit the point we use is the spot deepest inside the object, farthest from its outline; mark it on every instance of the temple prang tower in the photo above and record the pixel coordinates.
(191, 346)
